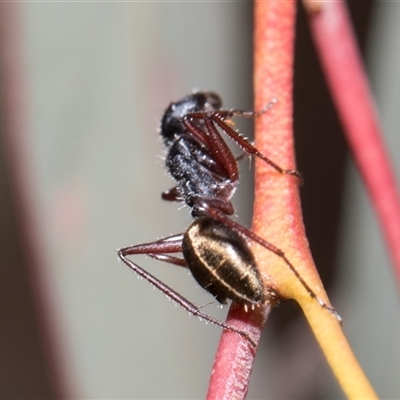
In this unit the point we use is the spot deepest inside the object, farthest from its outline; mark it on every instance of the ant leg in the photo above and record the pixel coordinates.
(218, 146)
(246, 114)
(251, 235)
(249, 148)
(156, 249)
(214, 142)
(172, 195)
(171, 244)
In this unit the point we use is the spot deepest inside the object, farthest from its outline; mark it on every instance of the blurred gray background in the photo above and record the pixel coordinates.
(94, 80)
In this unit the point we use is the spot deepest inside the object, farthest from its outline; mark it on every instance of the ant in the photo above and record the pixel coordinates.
(214, 247)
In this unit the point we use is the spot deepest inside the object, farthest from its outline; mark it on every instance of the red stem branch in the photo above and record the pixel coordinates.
(348, 83)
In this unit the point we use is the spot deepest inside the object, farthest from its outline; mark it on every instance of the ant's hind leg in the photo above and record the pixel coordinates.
(215, 213)
(171, 244)
(157, 250)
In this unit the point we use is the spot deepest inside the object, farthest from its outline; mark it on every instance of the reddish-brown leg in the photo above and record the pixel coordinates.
(248, 234)
(217, 145)
(159, 250)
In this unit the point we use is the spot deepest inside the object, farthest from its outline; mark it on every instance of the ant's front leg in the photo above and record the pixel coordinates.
(214, 119)
(212, 139)
(247, 114)
(159, 250)
(219, 119)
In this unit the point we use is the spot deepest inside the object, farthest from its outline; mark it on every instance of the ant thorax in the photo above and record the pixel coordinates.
(199, 177)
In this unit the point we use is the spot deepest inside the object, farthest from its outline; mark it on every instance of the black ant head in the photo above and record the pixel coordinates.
(171, 122)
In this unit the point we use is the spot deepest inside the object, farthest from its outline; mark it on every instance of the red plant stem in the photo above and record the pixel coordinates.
(346, 77)
(235, 357)
(274, 37)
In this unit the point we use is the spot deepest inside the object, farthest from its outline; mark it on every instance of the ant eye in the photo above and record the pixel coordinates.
(214, 101)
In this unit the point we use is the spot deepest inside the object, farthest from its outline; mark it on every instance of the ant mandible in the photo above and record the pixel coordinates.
(214, 247)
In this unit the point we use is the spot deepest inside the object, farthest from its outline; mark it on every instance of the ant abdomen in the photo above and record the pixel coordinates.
(222, 263)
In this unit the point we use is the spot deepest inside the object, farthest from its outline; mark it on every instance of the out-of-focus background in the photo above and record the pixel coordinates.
(83, 86)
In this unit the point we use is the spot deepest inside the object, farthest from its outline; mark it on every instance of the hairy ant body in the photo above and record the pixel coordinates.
(214, 247)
